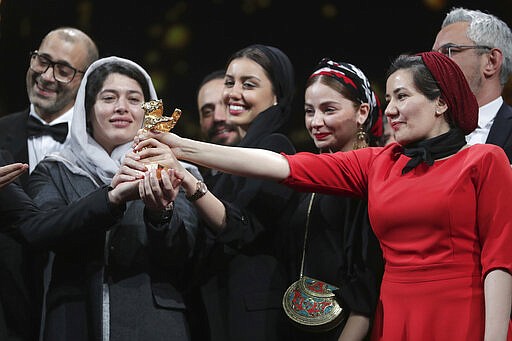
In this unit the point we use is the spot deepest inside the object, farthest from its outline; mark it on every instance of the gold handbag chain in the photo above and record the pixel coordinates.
(306, 235)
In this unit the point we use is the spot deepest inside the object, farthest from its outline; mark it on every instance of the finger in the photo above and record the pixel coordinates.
(142, 193)
(175, 182)
(132, 155)
(134, 167)
(16, 168)
(10, 177)
(151, 152)
(180, 174)
(148, 188)
(120, 178)
(166, 180)
(156, 188)
(170, 185)
(4, 181)
(145, 143)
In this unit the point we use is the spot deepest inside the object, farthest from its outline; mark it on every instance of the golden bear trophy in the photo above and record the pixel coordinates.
(155, 120)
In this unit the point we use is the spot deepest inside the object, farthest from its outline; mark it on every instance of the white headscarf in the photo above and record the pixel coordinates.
(81, 154)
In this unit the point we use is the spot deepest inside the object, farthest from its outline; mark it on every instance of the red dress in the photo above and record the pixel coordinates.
(441, 228)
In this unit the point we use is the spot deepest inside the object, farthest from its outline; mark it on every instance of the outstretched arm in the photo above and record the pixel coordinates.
(248, 162)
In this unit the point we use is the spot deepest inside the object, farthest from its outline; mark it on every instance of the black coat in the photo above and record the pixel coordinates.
(13, 138)
(244, 278)
(96, 245)
(20, 267)
(501, 130)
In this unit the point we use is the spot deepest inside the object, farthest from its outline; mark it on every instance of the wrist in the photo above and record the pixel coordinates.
(116, 206)
(163, 215)
(199, 192)
(113, 198)
(189, 184)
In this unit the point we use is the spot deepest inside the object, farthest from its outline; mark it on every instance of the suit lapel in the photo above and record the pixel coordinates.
(501, 130)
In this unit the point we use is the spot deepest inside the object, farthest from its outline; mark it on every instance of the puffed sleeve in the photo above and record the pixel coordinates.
(494, 211)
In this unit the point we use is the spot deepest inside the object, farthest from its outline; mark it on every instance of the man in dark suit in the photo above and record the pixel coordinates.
(213, 117)
(481, 44)
(53, 77)
(213, 112)
(18, 318)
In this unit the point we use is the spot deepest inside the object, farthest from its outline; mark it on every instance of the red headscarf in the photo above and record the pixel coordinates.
(455, 90)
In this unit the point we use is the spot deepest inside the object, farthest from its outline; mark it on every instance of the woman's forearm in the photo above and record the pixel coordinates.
(240, 161)
(498, 301)
(210, 208)
(356, 328)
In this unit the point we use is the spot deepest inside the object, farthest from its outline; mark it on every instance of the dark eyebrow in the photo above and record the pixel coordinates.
(397, 90)
(206, 105)
(251, 77)
(244, 78)
(62, 62)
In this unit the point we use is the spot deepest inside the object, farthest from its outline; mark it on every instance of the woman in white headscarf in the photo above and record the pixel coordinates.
(120, 263)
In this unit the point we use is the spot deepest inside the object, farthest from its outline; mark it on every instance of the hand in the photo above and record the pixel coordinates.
(10, 172)
(155, 151)
(141, 140)
(131, 169)
(125, 181)
(158, 194)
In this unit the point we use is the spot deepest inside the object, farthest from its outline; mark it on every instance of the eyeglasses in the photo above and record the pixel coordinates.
(62, 73)
(450, 49)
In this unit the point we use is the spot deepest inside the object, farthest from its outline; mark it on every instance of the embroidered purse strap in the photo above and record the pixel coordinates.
(306, 235)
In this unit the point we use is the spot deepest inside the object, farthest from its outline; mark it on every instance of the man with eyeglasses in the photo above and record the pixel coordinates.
(481, 44)
(213, 117)
(53, 77)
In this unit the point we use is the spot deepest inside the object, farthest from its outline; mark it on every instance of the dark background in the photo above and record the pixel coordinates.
(178, 42)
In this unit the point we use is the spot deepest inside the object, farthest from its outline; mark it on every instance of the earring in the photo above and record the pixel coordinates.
(361, 139)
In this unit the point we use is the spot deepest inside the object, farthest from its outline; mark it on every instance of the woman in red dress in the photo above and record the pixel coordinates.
(440, 209)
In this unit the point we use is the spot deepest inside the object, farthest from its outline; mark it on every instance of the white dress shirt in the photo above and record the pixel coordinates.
(486, 115)
(40, 146)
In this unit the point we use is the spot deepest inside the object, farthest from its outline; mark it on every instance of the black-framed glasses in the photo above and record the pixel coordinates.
(62, 72)
(450, 49)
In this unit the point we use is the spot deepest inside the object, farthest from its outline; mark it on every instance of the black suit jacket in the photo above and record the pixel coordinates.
(501, 130)
(20, 289)
(13, 138)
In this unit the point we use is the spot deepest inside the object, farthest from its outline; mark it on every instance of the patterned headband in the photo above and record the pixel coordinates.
(353, 78)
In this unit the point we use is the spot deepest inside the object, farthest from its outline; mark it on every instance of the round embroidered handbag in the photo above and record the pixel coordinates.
(309, 303)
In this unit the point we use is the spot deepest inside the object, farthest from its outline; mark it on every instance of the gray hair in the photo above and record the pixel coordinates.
(488, 30)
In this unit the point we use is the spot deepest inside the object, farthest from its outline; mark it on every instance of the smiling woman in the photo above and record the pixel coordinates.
(117, 113)
(116, 256)
(440, 209)
(246, 271)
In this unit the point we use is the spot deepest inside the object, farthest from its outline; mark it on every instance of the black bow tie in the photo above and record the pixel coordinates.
(58, 131)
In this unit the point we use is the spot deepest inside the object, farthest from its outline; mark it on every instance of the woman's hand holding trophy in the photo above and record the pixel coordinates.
(154, 120)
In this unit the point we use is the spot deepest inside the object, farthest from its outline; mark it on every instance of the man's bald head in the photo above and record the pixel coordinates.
(74, 35)
(65, 46)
